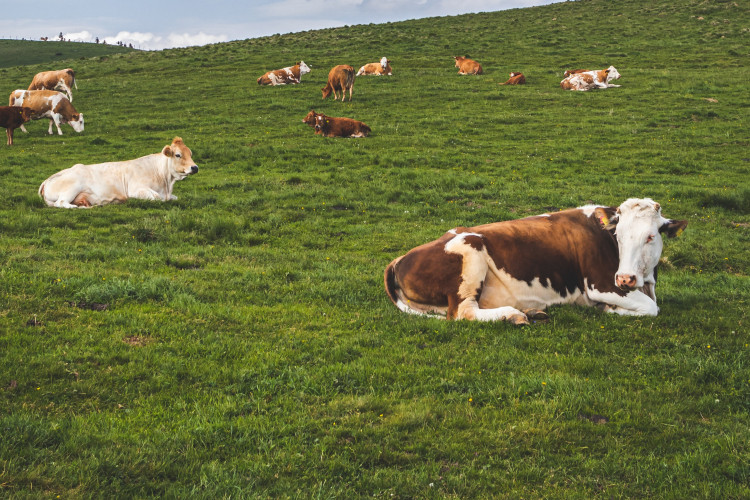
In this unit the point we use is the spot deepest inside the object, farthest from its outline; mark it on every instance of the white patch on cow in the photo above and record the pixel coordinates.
(497, 314)
(421, 310)
(635, 303)
(612, 75)
(384, 62)
(501, 289)
(303, 68)
(588, 210)
(638, 239)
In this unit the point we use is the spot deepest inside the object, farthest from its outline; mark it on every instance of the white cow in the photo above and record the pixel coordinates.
(150, 177)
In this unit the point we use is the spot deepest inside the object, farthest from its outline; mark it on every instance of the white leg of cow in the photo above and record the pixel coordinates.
(147, 194)
(56, 121)
(24, 129)
(635, 303)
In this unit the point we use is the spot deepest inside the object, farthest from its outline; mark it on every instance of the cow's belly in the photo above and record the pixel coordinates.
(501, 289)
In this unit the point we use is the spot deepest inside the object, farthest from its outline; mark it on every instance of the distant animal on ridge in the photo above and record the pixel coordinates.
(341, 78)
(379, 68)
(331, 126)
(150, 177)
(48, 104)
(589, 80)
(12, 117)
(468, 66)
(63, 80)
(289, 75)
(515, 79)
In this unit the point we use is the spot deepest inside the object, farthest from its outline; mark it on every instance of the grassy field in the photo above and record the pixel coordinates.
(23, 53)
(238, 342)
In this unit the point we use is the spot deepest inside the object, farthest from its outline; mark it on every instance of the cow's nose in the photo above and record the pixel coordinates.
(625, 281)
(194, 169)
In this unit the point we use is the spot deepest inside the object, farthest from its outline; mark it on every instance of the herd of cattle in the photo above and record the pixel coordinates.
(598, 256)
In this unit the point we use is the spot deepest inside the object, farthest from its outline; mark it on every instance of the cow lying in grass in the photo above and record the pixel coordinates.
(468, 66)
(515, 79)
(289, 75)
(584, 80)
(48, 104)
(330, 126)
(513, 270)
(12, 117)
(150, 177)
(379, 68)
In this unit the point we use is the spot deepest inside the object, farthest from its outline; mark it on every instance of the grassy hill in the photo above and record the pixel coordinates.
(238, 341)
(23, 52)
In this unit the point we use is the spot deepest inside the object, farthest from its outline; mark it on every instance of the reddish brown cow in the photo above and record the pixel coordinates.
(62, 80)
(330, 126)
(12, 117)
(468, 66)
(341, 78)
(515, 79)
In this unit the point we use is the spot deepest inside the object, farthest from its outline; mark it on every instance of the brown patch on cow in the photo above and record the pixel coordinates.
(474, 241)
(515, 79)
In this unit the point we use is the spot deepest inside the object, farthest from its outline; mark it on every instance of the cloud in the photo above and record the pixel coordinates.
(149, 41)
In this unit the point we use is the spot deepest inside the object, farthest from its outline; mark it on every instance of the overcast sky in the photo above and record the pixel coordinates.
(156, 24)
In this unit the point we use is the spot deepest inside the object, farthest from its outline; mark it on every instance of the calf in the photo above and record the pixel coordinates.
(379, 68)
(48, 104)
(588, 80)
(150, 177)
(515, 79)
(63, 79)
(468, 66)
(11, 118)
(341, 78)
(513, 270)
(330, 126)
(289, 75)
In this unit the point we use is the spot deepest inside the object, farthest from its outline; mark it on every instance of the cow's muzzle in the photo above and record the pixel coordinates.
(194, 169)
(626, 281)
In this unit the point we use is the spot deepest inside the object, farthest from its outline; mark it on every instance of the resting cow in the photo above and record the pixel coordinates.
(468, 66)
(331, 126)
(513, 270)
(379, 68)
(11, 118)
(515, 79)
(48, 104)
(289, 75)
(63, 80)
(588, 80)
(341, 78)
(150, 177)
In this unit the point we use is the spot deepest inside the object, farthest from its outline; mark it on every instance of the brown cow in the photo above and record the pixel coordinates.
(379, 68)
(341, 78)
(63, 80)
(12, 117)
(290, 75)
(468, 66)
(331, 126)
(515, 79)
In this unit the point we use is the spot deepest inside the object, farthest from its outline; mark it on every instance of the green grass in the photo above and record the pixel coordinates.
(23, 52)
(238, 342)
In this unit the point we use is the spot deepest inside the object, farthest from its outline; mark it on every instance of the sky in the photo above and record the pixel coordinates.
(156, 24)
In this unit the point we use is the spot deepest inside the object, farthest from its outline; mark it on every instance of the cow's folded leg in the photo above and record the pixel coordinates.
(535, 314)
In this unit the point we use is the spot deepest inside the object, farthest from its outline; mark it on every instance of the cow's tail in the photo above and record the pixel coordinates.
(73, 78)
(349, 80)
(391, 284)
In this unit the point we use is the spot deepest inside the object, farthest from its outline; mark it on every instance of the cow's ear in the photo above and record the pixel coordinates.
(606, 218)
(167, 151)
(673, 228)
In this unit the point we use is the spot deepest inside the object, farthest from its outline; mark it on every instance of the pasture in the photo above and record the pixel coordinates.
(237, 342)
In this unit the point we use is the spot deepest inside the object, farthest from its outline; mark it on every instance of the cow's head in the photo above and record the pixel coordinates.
(303, 68)
(459, 60)
(320, 122)
(310, 118)
(638, 225)
(384, 62)
(179, 159)
(612, 74)
(76, 122)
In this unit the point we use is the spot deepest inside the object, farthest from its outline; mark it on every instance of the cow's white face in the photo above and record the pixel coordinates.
(613, 74)
(303, 68)
(384, 62)
(180, 159)
(639, 224)
(77, 124)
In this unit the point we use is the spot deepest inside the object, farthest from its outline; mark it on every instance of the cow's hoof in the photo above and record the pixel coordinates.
(536, 314)
(519, 319)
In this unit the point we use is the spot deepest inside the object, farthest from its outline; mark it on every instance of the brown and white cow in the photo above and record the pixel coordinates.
(63, 80)
(569, 72)
(150, 177)
(588, 80)
(11, 118)
(48, 104)
(341, 78)
(515, 79)
(289, 75)
(379, 68)
(468, 66)
(513, 270)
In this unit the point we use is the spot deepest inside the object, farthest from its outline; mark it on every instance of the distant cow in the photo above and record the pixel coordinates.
(588, 80)
(515, 79)
(150, 177)
(11, 118)
(512, 270)
(62, 80)
(289, 75)
(379, 68)
(468, 66)
(48, 104)
(331, 126)
(341, 78)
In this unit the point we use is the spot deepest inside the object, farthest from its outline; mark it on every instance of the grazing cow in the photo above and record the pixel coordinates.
(48, 104)
(513, 270)
(515, 79)
(289, 75)
(468, 66)
(588, 80)
(341, 78)
(378, 69)
(62, 80)
(11, 118)
(331, 126)
(150, 177)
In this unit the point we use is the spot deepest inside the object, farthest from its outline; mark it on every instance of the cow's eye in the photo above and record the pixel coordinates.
(178, 155)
